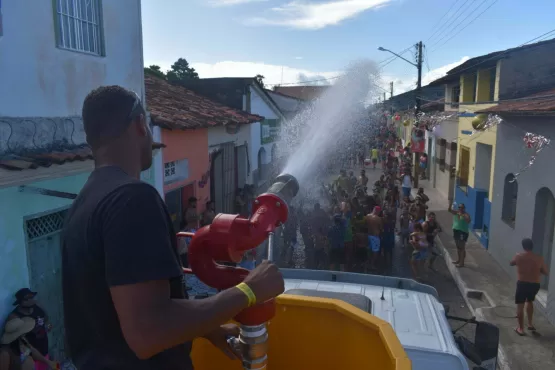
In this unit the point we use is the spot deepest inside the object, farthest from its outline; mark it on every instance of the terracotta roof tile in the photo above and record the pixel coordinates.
(540, 103)
(31, 161)
(176, 107)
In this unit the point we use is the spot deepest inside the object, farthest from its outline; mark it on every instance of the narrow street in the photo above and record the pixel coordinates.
(440, 279)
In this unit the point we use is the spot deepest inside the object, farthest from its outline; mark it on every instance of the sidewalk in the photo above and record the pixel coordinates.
(489, 293)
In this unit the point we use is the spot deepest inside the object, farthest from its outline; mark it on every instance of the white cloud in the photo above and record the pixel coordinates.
(232, 2)
(314, 16)
(298, 58)
(274, 74)
(404, 84)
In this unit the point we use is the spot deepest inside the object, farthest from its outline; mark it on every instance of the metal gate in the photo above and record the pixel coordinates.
(45, 273)
(230, 186)
(241, 166)
(223, 169)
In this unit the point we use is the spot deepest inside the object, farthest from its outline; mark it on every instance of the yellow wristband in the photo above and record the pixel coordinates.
(248, 292)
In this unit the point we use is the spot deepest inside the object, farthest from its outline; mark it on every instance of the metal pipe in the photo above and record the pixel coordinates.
(253, 343)
(271, 241)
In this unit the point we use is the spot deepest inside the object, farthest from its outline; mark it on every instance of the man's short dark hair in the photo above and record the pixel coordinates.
(527, 244)
(107, 112)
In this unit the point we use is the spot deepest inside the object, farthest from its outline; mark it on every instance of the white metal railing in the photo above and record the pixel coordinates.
(79, 26)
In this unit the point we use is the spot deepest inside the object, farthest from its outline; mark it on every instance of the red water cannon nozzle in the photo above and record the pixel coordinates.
(230, 236)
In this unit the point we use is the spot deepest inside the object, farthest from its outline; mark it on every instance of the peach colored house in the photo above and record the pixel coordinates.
(184, 118)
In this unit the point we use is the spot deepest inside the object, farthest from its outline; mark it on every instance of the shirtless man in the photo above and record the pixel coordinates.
(375, 229)
(530, 266)
(362, 180)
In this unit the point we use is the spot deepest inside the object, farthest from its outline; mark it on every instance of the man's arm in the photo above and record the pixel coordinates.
(466, 217)
(140, 260)
(513, 261)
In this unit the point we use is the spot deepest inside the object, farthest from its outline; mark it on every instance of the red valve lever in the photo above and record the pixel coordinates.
(227, 239)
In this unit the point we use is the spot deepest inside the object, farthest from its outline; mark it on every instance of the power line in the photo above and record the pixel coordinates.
(450, 20)
(496, 56)
(427, 58)
(468, 24)
(443, 18)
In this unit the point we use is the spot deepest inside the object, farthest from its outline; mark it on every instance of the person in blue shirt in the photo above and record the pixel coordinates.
(336, 238)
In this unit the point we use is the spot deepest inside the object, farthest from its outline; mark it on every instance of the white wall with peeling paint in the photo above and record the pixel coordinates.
(38, 79)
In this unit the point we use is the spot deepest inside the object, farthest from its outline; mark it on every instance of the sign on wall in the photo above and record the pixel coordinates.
(269, 130)
(417, 142)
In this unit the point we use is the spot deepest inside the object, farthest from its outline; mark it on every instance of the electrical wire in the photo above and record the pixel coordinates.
(450, 21)
(467, 25)
(443, 18)
(496, 56)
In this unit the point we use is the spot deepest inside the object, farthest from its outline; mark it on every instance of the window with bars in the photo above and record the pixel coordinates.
(169, 169)
(79, 26)
(45, 225)
(176, 171)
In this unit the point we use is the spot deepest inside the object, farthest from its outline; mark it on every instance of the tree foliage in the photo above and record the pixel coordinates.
(155, 70)
(260, 79)
(181, 71)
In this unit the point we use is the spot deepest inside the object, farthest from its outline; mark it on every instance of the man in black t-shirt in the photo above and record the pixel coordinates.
(124, 303)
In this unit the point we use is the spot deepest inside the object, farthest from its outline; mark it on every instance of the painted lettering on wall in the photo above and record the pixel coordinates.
(269, 130)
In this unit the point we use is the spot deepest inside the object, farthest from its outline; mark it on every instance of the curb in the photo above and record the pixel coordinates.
(502, 362)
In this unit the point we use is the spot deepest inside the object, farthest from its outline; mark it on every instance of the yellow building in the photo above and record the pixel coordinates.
(471, 87)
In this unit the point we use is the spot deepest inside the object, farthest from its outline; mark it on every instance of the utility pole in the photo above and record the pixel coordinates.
(417, 110)
(391, 88)
(384, 97)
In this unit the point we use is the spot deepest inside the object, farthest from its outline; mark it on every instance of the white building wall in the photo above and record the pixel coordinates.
(262, 108)
(38, 79)
(41, 80)
(512, 157)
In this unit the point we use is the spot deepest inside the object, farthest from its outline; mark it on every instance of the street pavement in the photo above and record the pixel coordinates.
(489, 293)
(440, 279)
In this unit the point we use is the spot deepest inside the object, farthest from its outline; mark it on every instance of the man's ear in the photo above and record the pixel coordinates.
(140, 124)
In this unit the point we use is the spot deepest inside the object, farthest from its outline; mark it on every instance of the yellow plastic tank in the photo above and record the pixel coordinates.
(320, 334)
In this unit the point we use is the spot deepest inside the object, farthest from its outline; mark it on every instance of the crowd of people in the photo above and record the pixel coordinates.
(361, 222)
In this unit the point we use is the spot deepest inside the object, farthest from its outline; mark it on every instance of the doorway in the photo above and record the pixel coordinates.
(543, 229)
(241, 166)
(223, 179)
(464, 168)
(482, 173)
(44, 252)
(174, 204)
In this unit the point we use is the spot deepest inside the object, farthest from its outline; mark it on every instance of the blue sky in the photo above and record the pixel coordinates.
(282, 39)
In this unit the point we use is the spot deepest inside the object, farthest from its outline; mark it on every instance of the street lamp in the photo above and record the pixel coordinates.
(398, 56)
(418, 66)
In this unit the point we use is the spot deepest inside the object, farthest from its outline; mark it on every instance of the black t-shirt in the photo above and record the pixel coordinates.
(118, 232)
(38, 337)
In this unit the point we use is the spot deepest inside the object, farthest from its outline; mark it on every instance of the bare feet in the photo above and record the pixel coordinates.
(519, 331)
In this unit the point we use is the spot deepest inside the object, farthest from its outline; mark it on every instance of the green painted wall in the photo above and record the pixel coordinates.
(15, 207)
